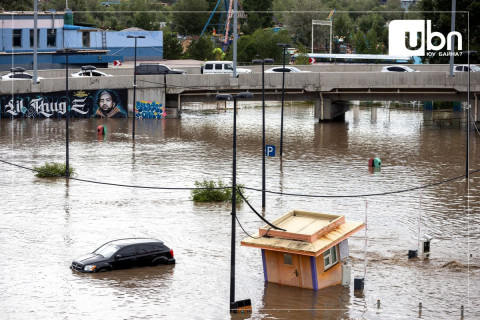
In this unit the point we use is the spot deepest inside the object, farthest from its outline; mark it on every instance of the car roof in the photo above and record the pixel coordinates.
(129, 241)
(17, 69)
(151, 64)
(88, 68)
(217, 61)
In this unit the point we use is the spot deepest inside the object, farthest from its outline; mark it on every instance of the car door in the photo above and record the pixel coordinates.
(145, 255)
(125, 258)
(163, 70)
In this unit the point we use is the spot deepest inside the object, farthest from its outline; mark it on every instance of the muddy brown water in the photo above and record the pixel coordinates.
(46, 223)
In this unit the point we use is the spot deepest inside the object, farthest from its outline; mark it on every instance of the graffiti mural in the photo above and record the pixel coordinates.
(149, 110)
(104, 103)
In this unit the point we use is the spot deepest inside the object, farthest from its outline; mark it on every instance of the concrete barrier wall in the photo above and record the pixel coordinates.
(124, 70)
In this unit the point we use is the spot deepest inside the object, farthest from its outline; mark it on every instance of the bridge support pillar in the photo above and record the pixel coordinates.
(330, 110)
(153, 97)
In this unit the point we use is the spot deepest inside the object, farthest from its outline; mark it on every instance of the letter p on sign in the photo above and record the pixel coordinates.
(270, 150)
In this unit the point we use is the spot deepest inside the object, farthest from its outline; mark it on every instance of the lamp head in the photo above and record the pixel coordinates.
(244, 95)
(224, 97)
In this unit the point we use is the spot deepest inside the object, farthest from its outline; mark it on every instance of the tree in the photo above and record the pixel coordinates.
(172, 48)
(201, 49)
(439, 13)
(359, 42)
(299, 22)
(262, 43)
(190, 16)
(17, 5)
(257, 17)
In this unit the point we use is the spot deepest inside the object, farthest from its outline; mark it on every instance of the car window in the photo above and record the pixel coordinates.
(162, 69)
(148, 248)
(209, 67)
(229, 67)
(107, 250)
(128, 251)
(21, 76)
(96, 74)
(218, 66)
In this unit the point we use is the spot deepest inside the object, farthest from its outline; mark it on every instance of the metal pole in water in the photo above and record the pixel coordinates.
(419, 309)
(67, 114)
(461, 312)
(365, 254)
(378, 304)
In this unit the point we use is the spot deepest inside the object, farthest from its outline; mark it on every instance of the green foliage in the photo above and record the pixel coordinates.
(186, 20)
(201, 49)
(262, 43)
(218, 54)
(17, 5)
(257, 18)
(439, 13)
(53, 169)
(211, 191)
(172, 48)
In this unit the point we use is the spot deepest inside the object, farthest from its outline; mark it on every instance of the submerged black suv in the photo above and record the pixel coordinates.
(123, 254)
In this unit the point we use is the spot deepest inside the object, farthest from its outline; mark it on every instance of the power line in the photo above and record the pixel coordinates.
(253, 189)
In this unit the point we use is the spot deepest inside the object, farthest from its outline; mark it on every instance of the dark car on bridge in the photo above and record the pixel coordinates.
(124, 254)
(156, 68)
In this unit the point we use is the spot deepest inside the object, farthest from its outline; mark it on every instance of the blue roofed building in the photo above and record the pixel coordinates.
(55, 31)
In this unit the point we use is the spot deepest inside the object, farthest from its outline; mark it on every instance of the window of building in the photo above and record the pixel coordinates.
(52, 37)
(17, 38)
(287, 259)
(330, 257)
(31, 38)
(86, 39)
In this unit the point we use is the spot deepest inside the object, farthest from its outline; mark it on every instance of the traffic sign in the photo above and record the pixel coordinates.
(270, 150)
(117, 63)
(312, 60)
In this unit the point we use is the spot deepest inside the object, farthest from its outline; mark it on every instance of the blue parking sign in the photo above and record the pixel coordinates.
(270, 150)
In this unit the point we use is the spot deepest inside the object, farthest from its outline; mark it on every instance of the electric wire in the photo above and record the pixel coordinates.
(255, 211)
(244, 231)
(253, 189)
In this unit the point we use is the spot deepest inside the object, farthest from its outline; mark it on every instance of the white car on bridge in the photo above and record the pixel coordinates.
(281, 69)
(398, 68)
(464, 68)
(90, 71)
(18, 73)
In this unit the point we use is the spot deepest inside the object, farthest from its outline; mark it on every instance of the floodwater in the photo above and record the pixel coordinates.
(46, 223)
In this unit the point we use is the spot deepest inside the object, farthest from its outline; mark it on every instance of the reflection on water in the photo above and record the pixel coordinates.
(48, 222)
(284, 302)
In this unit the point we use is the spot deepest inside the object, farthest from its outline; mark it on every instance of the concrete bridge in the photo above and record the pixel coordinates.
(329, 86)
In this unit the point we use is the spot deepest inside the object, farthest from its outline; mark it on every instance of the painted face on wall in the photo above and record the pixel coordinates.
(106, 102)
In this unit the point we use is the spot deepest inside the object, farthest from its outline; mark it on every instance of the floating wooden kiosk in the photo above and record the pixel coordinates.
(309, 253)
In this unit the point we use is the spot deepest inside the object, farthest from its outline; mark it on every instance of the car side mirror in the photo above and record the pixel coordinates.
(118, 256)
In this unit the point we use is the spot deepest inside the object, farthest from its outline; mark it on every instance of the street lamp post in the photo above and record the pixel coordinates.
(229, 97)
(284, 45)
(66, 51)
(262, 62)
(134, 82)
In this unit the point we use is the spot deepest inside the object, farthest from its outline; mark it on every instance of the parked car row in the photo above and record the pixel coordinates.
(209, 67)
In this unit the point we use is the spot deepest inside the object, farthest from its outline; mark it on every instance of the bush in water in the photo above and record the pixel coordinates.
(53, 169)
(211, 191)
